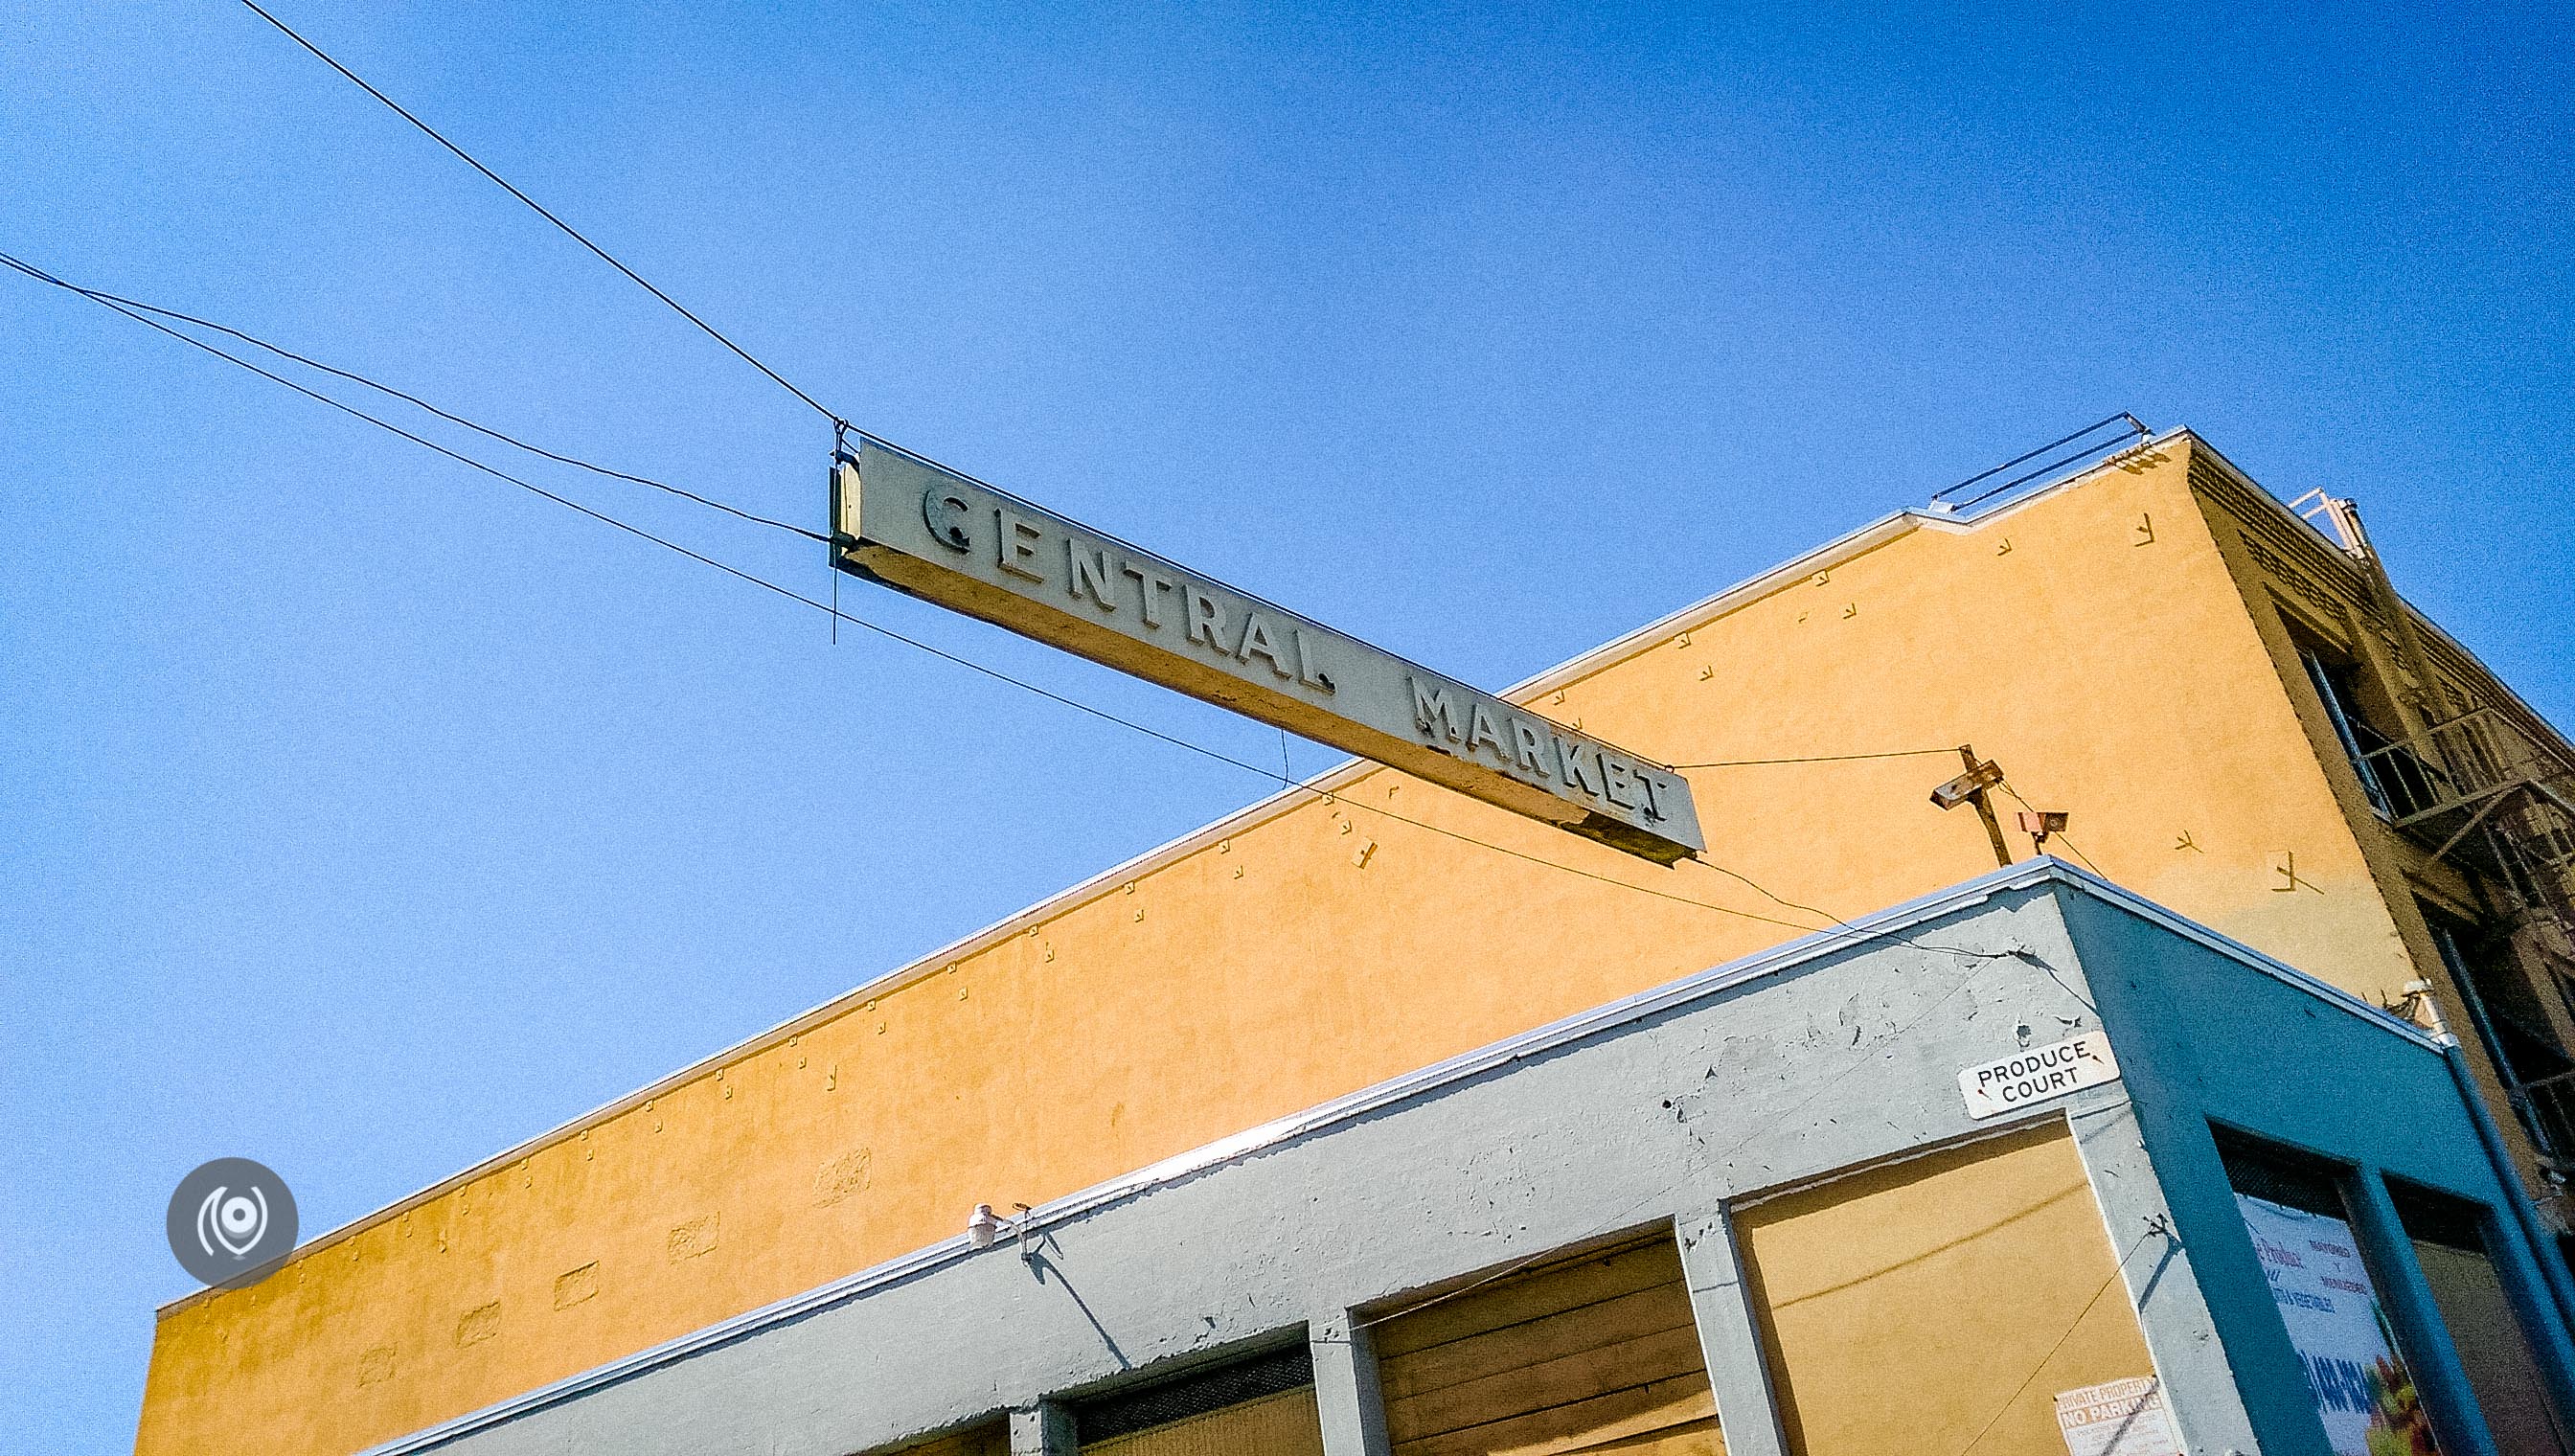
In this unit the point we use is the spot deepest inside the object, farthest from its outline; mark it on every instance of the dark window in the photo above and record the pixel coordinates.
(2337, 685)
(2512, 1027)
(1197, 1393)
(2281, 1176)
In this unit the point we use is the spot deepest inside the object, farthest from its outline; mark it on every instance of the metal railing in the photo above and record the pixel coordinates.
(2470, 757)
(2480, 789)
(2088, 444)
(2547, 1111)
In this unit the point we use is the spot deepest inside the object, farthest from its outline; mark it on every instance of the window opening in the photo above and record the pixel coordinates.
(2450, 1243)
(1260, 1406)
(2293, 1209)
(2335, 687)
(2512, 1027)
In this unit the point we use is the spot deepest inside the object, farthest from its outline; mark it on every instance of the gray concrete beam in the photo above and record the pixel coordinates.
(1347, 1393)
(2172, 1313)
(1730, 1337)
(1044, 1429)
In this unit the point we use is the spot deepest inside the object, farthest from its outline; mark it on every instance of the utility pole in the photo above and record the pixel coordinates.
(1974, 787)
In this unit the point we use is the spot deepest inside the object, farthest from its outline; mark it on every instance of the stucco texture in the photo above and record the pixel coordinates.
(2091, 641)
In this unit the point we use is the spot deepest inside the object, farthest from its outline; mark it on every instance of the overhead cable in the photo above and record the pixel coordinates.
(2058, 835)
(1626, 1215)
(1818, 759)
(538, 209)
(840, 425)
(101, 296)
(637, 531)
(1274, 776)
(1765, 895)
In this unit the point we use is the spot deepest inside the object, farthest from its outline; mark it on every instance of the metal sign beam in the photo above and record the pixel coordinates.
(908, 524)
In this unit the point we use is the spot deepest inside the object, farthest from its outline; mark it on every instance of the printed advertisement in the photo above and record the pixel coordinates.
(2361, 1387)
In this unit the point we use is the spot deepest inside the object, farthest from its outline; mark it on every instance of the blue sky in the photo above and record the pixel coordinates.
(365, 815)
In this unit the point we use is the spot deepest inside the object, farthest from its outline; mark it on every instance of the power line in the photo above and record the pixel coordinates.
(568, 229)
(2036, 1370)
(837, 614)
(101, 296)
(2006, 785)
(841, 425)
(1765, 895)
(143, 313)
(664, 542)
(1888, 936)
(1818, 759)
(1555, 865)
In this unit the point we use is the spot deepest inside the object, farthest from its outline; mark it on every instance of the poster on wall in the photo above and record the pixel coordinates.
(2362, 1390)
(2116, 1418)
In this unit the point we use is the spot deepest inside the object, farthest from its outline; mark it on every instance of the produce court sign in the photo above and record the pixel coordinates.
(2037, 1074)
(903, 521)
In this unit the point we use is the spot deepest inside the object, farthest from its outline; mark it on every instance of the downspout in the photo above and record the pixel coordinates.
(2427, 706)
(2534, 1231)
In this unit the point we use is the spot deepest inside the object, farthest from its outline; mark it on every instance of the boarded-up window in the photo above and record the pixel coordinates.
(1595, 1353)
(1262, 1406)
(1940, 1302)
(2449, 1242)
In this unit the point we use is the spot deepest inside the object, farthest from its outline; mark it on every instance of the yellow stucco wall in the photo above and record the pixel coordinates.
(2091, 641)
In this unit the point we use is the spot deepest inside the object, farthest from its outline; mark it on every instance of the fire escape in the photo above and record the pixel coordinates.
(2481, 791)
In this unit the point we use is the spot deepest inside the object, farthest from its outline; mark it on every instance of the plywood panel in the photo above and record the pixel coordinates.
(1940, 1302)
(1594, 1354)
(2492, 1347)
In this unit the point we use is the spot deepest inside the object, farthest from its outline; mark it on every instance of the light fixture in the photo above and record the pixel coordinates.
(2038, 824)
(1969, 787)
(984, 1228)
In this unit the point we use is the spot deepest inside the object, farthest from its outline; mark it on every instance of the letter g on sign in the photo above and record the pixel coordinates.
(944, 511)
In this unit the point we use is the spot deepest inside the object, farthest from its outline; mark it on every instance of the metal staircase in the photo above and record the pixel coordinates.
(2492, 793)
(2481, 792)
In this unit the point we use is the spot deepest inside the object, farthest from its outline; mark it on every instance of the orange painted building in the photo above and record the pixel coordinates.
(2242, 721)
